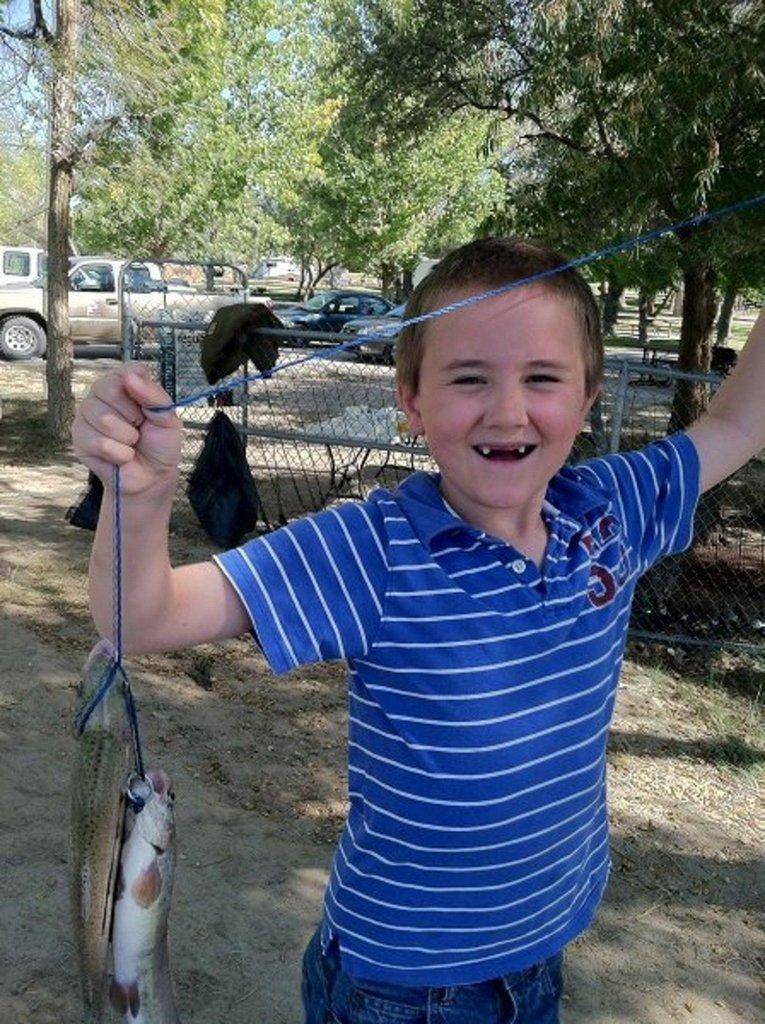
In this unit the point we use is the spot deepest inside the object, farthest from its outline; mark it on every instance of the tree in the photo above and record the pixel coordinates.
(175, 180)
(63, 48)
(394, 202)
(98, 65)
(631, 114)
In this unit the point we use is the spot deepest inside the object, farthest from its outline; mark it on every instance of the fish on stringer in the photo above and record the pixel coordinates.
(142, 988)
(102, 764)
(123, 860)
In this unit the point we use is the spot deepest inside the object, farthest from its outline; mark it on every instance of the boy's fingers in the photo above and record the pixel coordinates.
(148, 395)
(96, 447)
(106, 420)
(111, 390)
(131, 392)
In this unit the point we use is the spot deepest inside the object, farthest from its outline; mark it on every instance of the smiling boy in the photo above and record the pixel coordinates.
(482, 612)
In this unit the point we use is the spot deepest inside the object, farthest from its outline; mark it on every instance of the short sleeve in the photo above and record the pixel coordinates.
(313, 589)
(654, 492)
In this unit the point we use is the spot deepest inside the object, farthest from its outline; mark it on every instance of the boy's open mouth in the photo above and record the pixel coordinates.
(504, 453)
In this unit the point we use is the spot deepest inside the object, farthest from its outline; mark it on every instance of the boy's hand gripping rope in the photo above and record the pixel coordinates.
(691, 222)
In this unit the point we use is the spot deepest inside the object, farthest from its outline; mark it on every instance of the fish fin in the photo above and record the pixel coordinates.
(125, 997)
(146, 887)
(134, 999)
(118, 996)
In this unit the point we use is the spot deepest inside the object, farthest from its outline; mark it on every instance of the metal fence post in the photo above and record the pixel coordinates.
(619, 401)
(125, 318)
(167, 339)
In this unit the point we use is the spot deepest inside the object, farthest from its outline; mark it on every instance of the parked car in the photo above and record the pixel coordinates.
(378, 350)
(329, 311)
(95, 315)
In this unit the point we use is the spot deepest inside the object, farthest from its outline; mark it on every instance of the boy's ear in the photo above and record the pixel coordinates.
(408, 401)
(590, 401)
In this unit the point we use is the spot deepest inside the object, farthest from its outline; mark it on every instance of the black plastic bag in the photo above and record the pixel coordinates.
(85, 513)
(221, 489)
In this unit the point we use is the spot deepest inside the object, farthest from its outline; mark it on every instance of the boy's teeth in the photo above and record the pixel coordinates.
(487, 450)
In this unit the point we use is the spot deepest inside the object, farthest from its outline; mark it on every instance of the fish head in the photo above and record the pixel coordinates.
(110, 713)
(155, 822)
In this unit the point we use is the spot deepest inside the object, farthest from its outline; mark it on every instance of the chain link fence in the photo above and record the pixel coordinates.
(328, 429)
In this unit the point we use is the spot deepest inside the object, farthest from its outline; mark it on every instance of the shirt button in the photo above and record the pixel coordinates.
(518, 565)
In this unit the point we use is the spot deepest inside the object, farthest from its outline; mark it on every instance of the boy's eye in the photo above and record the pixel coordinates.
(543, 378)
(468, 380)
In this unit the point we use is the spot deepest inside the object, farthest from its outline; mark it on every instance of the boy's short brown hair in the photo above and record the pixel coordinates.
(491, 263)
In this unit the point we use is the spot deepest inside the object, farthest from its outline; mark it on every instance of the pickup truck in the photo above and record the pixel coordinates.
(95, 313)
(20, 264)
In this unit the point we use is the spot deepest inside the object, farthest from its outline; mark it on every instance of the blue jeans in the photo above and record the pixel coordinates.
(330, 996)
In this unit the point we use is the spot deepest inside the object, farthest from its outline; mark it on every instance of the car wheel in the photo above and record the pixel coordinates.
(21, 338)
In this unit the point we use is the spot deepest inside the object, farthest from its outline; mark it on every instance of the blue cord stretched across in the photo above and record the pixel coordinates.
(579, 261)
(471, 300)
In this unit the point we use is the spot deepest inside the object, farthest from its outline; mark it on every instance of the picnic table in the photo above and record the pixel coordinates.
(661, 356)
(657, 354)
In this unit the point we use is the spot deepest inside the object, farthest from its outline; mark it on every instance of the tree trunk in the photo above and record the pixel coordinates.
(598, 426)
(305, 288)
(407, 287)
(59, 367)
(677, 305)
(322, 273)
(695, 344)
(612, 305)
(388, 279)
(726, 314)
(645, 306)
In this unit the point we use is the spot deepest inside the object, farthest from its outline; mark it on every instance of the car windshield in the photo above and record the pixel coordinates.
(397, 311)
(317, 302)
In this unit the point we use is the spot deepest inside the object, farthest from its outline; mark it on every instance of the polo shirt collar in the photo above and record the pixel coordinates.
(420, 499)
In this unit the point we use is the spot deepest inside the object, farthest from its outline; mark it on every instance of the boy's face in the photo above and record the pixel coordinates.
(501, 398)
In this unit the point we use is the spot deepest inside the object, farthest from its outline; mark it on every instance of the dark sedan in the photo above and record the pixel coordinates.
(378, 349)
(329, 311)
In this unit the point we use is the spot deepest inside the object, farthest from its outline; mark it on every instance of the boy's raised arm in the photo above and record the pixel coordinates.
(163, 608)
(732, 430)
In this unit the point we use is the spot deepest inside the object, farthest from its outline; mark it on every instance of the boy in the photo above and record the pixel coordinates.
(482, 612)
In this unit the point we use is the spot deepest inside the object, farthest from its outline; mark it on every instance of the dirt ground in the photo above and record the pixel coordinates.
(258, 768)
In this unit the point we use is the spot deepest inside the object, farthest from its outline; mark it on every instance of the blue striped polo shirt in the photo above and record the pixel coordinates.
(481, 691)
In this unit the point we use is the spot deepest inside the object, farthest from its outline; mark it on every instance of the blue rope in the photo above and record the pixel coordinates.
(471, 300)
(389, 332)
(117, 591)
(116, 668)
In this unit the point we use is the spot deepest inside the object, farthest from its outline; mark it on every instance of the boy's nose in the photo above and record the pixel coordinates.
(508, 408)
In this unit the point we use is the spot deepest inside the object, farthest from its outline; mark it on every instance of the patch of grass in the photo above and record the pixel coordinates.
(24, 437)
(724, 690)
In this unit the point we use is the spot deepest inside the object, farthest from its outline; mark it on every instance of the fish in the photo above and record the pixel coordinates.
(141, 987)
(102, 764)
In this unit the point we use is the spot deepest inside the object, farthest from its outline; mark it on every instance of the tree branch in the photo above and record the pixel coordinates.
(94, 134)
(555, 137)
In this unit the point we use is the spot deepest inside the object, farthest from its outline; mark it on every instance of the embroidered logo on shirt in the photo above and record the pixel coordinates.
(605, 579)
